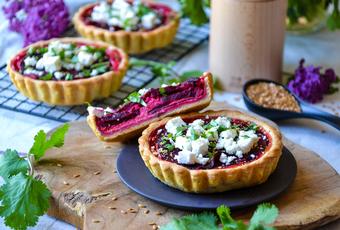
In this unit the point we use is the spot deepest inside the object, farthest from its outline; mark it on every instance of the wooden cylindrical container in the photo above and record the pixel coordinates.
(246, 40)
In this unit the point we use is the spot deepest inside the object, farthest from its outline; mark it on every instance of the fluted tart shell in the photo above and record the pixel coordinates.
(216, 179)
(74, 92)
(133, 42)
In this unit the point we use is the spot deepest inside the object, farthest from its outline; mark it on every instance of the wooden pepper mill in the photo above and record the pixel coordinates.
(246, 40)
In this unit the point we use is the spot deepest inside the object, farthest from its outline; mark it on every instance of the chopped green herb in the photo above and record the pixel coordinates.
(68, 77)
(180, 130)
(252, 126)
(62, 54)
(193, 134)
(142, 10)
(169, 147)
(31, 51)
(46, 77)
(162, 91)
(136, 98)
(86, 72)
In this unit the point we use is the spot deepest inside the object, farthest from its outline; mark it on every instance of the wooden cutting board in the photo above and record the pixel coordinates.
(87, 192)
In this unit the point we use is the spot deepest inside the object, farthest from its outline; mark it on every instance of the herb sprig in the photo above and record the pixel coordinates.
(264, 215)
(24, 197)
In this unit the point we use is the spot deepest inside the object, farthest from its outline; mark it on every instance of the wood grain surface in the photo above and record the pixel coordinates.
(87, 192)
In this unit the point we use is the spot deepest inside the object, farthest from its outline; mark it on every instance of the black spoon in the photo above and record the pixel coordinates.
(307, 111)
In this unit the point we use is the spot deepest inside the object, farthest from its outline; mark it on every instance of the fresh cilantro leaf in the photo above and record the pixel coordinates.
(264, 214)
(142, 10)
(24, 199)
(11, 164)
(41, 144)
(68, 77)
(180, 130)
(252, 126)
(169, 147)
(203, 221)
(193, 134)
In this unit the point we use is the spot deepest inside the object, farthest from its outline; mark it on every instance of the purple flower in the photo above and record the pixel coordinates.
(310, 84)
(37, 19)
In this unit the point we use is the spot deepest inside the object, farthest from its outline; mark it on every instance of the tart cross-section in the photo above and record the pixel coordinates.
(149, 105)
(68, 71)
(212, 151)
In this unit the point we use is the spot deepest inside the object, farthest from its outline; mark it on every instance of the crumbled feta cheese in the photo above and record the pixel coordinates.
(223, 121)
(49, 63)
(197, 130)
(108, 110)
(164, 85)
(150, 20)
(230, 133)
(172, 125)
(68, 66)
(85, 58)
(226, 159)
(185, 157)
(30, 61)
(200, 146)
(183, 143)
(202, 160)
(246, 142)
(101, 12)
(143, 91)
(231, 146)
(59, 75)
(197, 122)
(33, 71)
(96, 111)
(94, 72)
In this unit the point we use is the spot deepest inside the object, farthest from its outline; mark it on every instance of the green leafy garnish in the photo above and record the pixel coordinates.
(180, 130)
(136, 98)
(195, 10)
(68, 77)
(193, 134)
(203, 221)
(11, 164)
(41, 143)
(162, 91)
(264, 215)
(46, 77)
(23, 197)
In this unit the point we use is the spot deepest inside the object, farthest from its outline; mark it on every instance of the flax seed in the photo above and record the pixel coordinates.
(66, 183)
(146, 211)
(112, 208)
(123, 212)
(141, 206)
(96, 173)
(59, 165)
(114, 198)
(152, 223)
(76, 176)
(273, 96)
(96, 221)
(159, 213)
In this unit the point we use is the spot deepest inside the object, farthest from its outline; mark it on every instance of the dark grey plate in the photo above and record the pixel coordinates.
(133, 172)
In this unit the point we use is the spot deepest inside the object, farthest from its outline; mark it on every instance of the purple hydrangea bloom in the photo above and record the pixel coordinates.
(37, 19)
(310, 84)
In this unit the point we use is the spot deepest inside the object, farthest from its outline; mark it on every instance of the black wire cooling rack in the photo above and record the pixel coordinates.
(188, 38)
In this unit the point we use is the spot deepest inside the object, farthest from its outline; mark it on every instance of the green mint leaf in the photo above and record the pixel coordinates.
(24, 199)
(11, 164)
(41, 144)
(203, 221)
(264, 214)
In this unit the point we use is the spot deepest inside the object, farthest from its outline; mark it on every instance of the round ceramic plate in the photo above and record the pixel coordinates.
(133, 172)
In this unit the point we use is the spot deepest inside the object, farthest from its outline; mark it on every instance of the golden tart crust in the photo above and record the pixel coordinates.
(74, 92)
(136, 130)
(134, 42)
(217, 179)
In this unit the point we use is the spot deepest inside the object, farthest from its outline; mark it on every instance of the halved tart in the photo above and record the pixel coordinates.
(134, 26)
(211, 152)
(68, 71)
(149, 105)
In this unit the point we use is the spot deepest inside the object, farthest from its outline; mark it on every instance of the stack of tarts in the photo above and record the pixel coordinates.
(68, 71)
(134, 26)
(195, 152)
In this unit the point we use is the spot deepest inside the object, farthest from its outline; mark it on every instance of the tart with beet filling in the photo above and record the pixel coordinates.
(211, 152)
(150, 105)
(68, 71)
(134, 26)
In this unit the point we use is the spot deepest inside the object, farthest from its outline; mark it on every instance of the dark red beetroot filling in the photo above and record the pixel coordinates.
(160, 9)
(256, 152)
(17, 63)
(158, 104)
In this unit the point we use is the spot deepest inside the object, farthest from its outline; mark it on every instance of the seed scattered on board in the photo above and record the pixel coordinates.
(96, 173)
(76, 176)
(112, 208)
(59, 165)
(146, 211)
(114, 198)
(66, 183)
(159, 213)
(96, 221)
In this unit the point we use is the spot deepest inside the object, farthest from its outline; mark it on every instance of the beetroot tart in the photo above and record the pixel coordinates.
(134, 26)
(68, 71)
(211, 152)
(149, 105)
